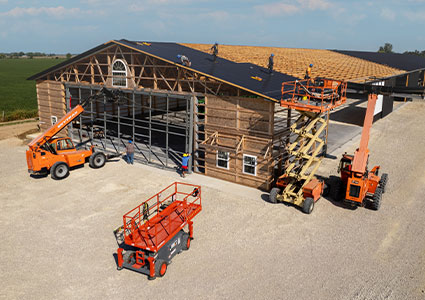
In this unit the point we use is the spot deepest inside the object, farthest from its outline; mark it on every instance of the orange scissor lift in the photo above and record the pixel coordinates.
(313, 99)
(153, 233)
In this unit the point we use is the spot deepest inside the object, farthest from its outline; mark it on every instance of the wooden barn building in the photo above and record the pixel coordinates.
(225, 112)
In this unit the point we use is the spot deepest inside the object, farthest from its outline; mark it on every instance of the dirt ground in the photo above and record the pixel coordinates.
(58, 242)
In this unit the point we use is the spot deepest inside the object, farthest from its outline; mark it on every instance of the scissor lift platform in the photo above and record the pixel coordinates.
(153, 233)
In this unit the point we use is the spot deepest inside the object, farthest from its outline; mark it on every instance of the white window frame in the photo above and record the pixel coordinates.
(121, 73)
(227, 161)
(54, 120)
(255, 166)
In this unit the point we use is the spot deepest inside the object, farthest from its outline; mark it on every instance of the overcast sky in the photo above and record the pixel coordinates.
(75, 26)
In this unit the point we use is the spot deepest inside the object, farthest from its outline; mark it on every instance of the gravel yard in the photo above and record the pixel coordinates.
(58, 241)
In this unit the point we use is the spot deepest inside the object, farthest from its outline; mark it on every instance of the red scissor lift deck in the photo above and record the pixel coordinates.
(153, 231)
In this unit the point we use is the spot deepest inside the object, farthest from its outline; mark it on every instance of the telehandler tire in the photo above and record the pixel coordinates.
(59, 170)
(97, 160)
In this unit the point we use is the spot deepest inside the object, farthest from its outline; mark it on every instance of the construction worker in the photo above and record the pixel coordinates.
(130, 152)
(271, 63)
(185, 162)
(184, 60)
(308, 72)
(214, 50)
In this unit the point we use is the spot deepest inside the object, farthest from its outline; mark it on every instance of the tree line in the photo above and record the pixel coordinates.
(31, 55)
(388, 48)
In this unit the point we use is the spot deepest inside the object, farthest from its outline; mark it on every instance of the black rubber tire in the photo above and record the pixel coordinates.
(186, 241)
(336, 190)
(97, 160)
(376, 199)
(129, 257)
(326, 190)
(159, 269)
(308, 205)
(273, 195)
(383, 182)
(59, 170)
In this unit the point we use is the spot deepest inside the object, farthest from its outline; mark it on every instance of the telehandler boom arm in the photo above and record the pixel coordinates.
(56, 128)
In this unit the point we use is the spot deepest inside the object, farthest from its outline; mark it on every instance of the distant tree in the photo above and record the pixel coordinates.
(21, 53)
(68, 55)
(416, 52)
(387, 48)
(2, 55)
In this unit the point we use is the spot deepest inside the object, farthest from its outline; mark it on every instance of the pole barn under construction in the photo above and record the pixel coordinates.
(225, 114)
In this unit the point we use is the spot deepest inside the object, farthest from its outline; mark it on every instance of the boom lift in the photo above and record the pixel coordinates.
(357, 185)
(153, 233)
(313, 99)
(57, 155)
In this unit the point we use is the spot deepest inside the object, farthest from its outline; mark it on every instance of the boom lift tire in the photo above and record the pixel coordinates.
(59, 170)
(383, 182)
(97, 160)
(308, 205)
(186, 241)
(273, 195)
(336, 189)
(160, 268)
(376, 199)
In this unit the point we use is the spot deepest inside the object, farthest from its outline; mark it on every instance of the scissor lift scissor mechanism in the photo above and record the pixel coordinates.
(313, 99)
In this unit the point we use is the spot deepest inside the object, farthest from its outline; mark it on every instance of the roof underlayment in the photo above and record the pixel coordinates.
(244, 75)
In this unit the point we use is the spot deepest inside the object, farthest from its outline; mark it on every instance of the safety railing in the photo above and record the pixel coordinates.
(152, 223)
(316, 95)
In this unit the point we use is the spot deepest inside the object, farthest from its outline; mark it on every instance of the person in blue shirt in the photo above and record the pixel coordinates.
(185, 161)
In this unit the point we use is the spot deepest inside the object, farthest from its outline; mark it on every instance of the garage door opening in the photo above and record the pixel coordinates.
(160, 124)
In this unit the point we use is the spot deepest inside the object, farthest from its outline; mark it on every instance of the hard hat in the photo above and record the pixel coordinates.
(272, 54)
(185, 154)
(179, 56)
(130, 141)
(311, 65)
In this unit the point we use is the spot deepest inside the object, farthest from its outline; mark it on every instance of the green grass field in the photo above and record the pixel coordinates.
(18, 97)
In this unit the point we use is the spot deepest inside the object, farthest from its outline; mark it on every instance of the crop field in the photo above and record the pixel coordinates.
(18, 97)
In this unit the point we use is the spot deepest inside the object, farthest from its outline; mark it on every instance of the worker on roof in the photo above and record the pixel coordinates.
(184, 60)
(214, 50)
(308, 72)
(271, 63)
(185, 162)
(130, 152)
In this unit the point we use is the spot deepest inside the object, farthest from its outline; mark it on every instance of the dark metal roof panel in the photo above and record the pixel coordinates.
(236, 74)
(407, 62)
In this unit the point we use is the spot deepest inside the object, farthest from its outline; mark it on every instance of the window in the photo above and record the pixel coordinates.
(223, 159)
(249, 164)
(64, 144)
(119, 73)
(54, 119)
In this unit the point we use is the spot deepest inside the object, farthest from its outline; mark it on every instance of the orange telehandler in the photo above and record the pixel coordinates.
(358, 186)
(57, 155)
